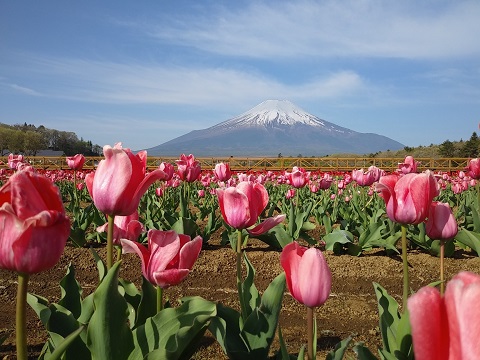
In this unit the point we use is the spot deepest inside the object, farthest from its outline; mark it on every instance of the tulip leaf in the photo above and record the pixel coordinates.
(277, 237)
(71, 292)
(338, 352)
(108, 335)
(363, 353)
(394, 327)
(65, 344)
(102, 269)
(337, 237)
(173, 333)
(470, 239)
(251, 298)
(185, 226)
(148, 303)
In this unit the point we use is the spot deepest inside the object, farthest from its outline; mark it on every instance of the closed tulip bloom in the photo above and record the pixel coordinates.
(445, 328)
(125, 227)
(366, 178)
(441, 224)
(408, 166)
(309, 279)
(119, 181)
(242, 205)
(222, 171)
(168, 169)
(169, 257)
(474, 168)
(76, 162)
(408, 197)
(33, 225)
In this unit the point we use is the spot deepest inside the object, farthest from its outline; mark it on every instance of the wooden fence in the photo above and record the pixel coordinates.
(265, 164)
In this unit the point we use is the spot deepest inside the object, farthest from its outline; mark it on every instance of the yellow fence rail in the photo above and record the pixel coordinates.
(264, 164)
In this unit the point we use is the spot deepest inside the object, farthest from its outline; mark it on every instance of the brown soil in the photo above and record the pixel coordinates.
(350, 310)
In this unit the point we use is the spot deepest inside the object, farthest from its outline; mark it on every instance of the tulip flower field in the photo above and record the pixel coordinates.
(184, 262)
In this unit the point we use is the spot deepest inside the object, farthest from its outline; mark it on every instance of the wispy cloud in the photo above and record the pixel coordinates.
(368, 28)
(24, 90)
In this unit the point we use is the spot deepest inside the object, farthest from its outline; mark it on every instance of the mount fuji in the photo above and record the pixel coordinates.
(271, 128)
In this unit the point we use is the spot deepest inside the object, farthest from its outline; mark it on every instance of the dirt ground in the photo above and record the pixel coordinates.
(350, 310)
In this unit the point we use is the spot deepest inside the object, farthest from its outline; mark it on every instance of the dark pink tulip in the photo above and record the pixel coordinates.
(76, 162)
(222, 171)
(309, 279)
(447, 328)
(474, 168)
(366, 178)
(408, 166)
(408, 197)
(125, 227)
(33, 225)
(119, 181)
(169, 257)
(298, 178)
(441, 224)
(325, 182)
(14, 160)
(189, 169)
(290, 194)
(242, 205)
(168, 169)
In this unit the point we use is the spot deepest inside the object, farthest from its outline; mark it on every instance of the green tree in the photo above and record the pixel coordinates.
(33, 142)
(447, 149)
(470, 147)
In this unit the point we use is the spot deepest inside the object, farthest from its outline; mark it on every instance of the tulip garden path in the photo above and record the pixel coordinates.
(351, 309)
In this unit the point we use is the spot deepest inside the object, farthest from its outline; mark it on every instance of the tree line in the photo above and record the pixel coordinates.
(466, 149)
(29, 140)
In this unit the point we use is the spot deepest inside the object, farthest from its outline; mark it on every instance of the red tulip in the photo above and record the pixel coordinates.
(168, 169)
(125, 227)
(408, 197)
(169, 257)
(309, 279)
(222, 171)
(447, 328)
(441, 224)
(474, 168)
(242, 205)
(76, 162)
(119, 181)
(33, 224)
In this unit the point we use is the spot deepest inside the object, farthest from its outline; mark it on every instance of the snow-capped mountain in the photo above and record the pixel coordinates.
(273, 127)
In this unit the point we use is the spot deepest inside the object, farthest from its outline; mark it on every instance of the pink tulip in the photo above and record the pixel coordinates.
(408, 166)
(447, 328)
(169, 257)
(298, 178)
(125, 227)
(159, 191)
(474, 168)
(366, 178)
(290, 194)
(76, 162)
(119, 181)
(201, 193)
(408, 197)
(188, 168)
(168, 169)
(309, 279)
(222, 171)
(14, 160)
(242, 205)
(33, 225)
(441, 224)
(325, 182)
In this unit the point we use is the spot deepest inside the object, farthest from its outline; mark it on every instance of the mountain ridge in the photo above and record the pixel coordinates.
(273, 127)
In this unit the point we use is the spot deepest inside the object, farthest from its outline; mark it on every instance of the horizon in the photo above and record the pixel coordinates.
(144, 74)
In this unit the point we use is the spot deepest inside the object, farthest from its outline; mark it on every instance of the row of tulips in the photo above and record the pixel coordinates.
(117, 189)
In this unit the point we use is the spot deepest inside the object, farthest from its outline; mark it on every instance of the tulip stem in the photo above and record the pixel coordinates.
(111, 223)
(406, 285)
(239, 274)
(478, 194)
(119, 253)
(159, 299)
(311, 352)
(21, 319)
(442, 264)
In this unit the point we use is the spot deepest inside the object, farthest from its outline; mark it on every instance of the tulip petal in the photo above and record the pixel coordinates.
(234, 207)
(129, 246)
(314, 278)
(266, 225)
(163, 246)
(429, 332)
(290, 260)
(169, 277)
(189, 253)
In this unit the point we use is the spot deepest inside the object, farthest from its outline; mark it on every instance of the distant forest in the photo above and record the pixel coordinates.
(29, 140)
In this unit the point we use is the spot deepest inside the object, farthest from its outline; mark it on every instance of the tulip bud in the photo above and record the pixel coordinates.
(441, 224)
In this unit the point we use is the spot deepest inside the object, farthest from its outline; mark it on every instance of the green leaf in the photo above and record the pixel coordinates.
(148, 303)
(64, 345)
(338, 352)
(363, 353)
(108, 335)
(102, 268)
(173, 333)
(251, 298)
(71, 292)
(40, 306)
(185, 226)
(337, 236)
(470, 239)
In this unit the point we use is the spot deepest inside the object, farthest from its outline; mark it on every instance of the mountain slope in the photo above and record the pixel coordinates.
(274, 127)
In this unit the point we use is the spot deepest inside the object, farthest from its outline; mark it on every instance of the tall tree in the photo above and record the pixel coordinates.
(470, 147)
(447, 149)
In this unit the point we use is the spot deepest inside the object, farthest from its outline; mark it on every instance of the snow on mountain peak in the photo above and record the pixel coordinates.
(275, 112)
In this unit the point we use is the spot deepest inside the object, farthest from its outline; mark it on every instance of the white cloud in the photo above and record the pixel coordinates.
(24, 90)
(366, 28)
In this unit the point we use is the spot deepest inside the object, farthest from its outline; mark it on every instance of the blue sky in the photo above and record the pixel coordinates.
(145, 72)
